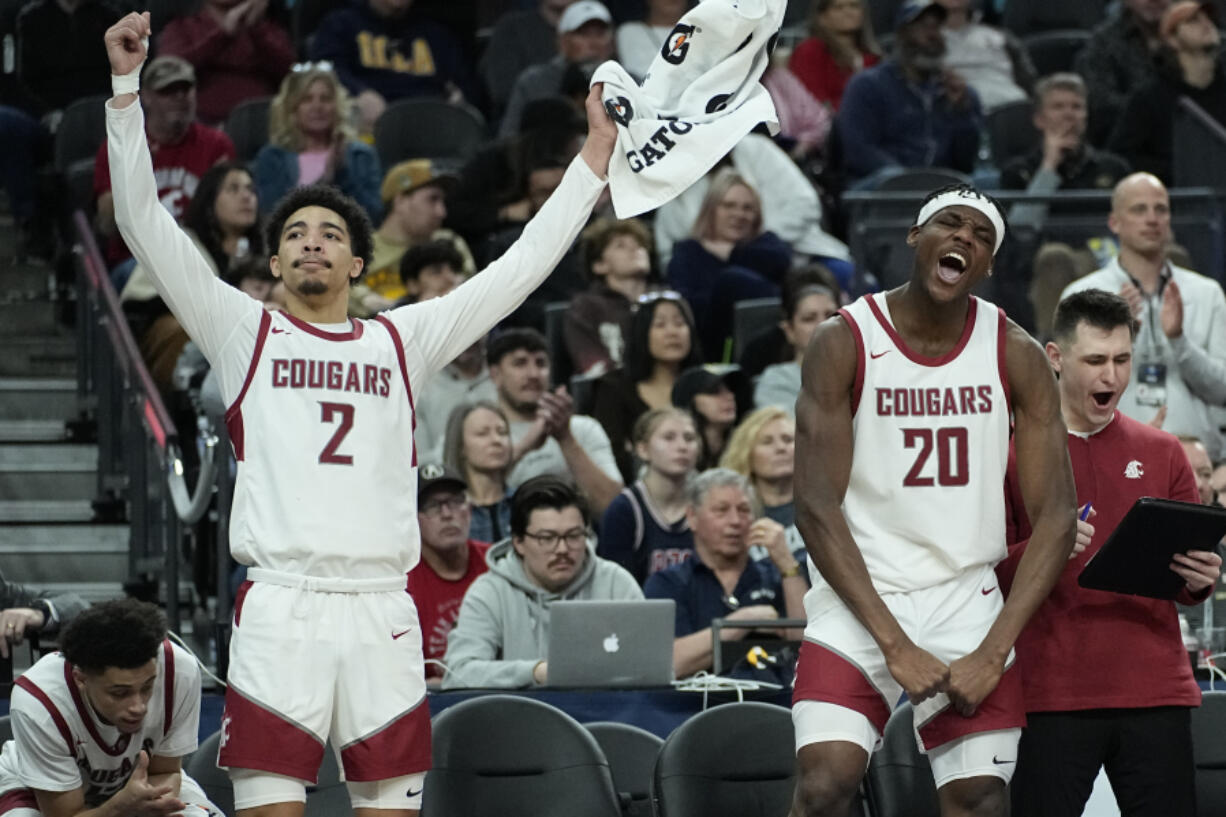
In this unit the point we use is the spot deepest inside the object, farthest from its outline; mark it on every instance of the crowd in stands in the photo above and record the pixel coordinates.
(623, 374)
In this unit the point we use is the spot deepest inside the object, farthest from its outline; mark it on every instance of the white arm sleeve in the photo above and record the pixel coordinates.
(219, 318)
(435, 332)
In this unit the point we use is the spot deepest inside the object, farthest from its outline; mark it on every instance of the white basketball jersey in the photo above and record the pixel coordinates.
(925, 501)
(60, 744)
(327, 472)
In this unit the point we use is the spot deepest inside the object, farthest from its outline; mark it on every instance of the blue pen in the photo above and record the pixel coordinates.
(1086, 513)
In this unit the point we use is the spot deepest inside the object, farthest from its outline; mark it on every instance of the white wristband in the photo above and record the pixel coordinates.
(125, 83)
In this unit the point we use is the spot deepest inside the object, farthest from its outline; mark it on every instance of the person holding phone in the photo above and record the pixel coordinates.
(1106, 680)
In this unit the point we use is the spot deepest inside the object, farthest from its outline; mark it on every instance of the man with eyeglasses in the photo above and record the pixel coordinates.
(502, 634)
(450, 561)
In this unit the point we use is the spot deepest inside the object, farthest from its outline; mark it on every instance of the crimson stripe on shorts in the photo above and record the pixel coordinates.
(254, 737)
(168, 687)
(18, 798)
(239, 597)
(60, 724)
(1004, 708)
(824, 675)
(402, 747)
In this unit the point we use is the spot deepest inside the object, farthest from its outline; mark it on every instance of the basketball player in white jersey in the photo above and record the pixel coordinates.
(903, 432)
(326, 642)
(101, 727)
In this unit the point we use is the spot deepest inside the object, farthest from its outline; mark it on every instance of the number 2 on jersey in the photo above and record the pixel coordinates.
(328, 412)
(952, 456)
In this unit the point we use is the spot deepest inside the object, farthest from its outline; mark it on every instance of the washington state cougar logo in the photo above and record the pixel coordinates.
(678, 44)
(619, 110)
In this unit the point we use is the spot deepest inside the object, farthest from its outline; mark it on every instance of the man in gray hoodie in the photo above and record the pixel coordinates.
(502, 635)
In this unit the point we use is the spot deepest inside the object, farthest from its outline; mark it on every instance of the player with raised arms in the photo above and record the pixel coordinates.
(903, 426)
(326, 643)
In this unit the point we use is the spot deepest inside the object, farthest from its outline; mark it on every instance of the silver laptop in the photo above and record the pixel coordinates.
(611, 643)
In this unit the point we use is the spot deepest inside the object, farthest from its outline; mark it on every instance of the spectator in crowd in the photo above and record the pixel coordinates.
(502, 634)
(237, 51)
(223, 221)
(585, 39)
(770, 345)
(761, 449)
(450, 560)
(645, 529)
(720, 580)
(383, 52)
(60, 57)
(661, 344)
(430, 270)
(804, 123)
(24, 612)
(840, 45)
(1188, 67)
(1063, 160)
(1090, 704)
(1118, 59)
(910, 111)
(310, 139)
(495, 187)
(804, 307)
(548, 437)
(1202, 468)
(465, 380)
(520, 39)
(618, 256)
(790, 206)
(991, 60)
(414, 194)
(639, 41)
(711, 394)
(102, 725)
(730, 257)
(1180, 356)
(477, 446)
(182, 149)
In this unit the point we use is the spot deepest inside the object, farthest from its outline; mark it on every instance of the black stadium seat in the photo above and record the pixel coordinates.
(631, 753)
(899, 777)
(500, 755)
(1011, 131)
(1053, 51)
(80, 132)
(734, 760)
(247, 126)
(429, 129)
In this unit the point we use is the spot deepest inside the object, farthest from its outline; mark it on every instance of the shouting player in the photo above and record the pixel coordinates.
(902, 442)
(326, 641)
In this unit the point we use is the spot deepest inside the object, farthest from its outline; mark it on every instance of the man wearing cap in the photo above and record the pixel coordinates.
(1179, 358)
(585, 39)
(382, 51)
(415, 197)
(1118, 58)
(183, 149)
(909, 111)
(450, 561)
(903, 429)
(1144, 132)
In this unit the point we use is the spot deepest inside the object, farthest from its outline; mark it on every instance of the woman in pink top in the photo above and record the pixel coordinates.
(841, 45)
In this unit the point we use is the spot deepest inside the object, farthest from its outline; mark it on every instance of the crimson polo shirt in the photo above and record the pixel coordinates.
(700, 597)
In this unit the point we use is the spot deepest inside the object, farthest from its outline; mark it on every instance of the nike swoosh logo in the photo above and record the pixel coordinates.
(1001, 762)
(277, 331)
(402, 632)
(415, 793)
(875, 355)
(987, 592)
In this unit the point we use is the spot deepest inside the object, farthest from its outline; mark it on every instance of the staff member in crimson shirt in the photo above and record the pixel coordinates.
(1106, 679)
(450, 561)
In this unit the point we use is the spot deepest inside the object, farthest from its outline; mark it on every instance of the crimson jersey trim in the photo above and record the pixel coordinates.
(858, 386)
(915, 357)
(355, 329)
(404, 373)
(234, 414)
(42, 697)
(120, 746)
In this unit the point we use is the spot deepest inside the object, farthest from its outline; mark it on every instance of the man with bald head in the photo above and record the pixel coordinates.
(1179, 359)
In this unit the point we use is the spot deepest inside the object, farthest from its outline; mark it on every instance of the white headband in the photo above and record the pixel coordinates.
(966, 198)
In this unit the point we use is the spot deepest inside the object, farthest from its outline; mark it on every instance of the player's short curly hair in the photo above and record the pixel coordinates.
(125, 634)
(361, 233)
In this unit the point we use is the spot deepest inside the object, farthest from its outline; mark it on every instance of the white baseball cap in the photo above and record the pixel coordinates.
(584, 11)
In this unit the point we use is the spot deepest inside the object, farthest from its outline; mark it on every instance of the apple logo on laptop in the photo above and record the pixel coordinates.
(611, 644)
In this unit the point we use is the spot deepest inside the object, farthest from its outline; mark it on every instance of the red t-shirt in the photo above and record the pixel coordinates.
(1090, 649)
(177, 169)
(438, 602)
(813, 64)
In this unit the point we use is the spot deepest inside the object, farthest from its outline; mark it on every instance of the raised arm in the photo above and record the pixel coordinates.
(1046, 479)
(823, 470)
(205, 306)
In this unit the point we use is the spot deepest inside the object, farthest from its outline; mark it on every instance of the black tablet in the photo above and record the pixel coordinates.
(1136, 559)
